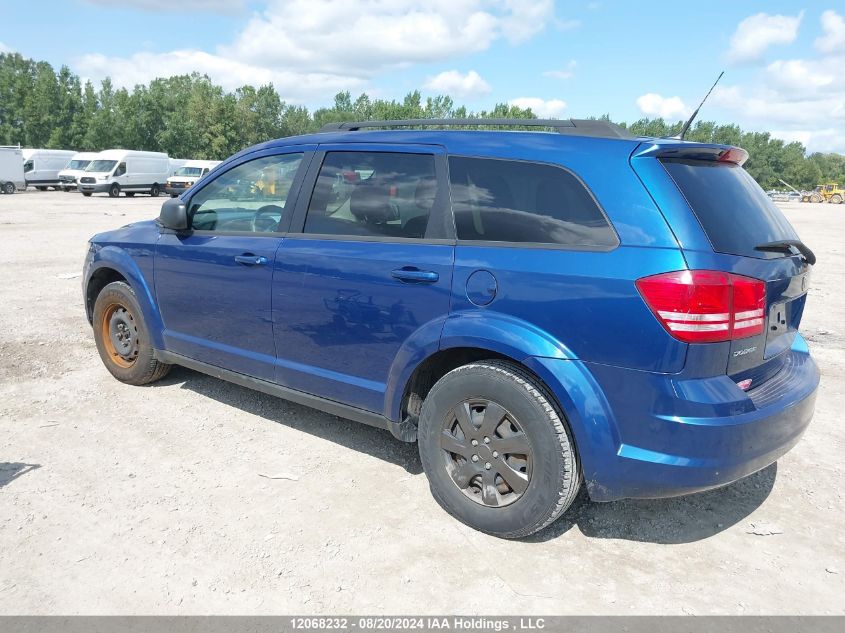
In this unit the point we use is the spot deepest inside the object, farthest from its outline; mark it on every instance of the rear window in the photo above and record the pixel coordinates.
(733, 210)
(497, 200)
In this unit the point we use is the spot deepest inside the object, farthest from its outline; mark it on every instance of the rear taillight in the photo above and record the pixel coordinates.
(706, 306)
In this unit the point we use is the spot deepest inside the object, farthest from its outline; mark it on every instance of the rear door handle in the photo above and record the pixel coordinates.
(415, 275)
(248, 259)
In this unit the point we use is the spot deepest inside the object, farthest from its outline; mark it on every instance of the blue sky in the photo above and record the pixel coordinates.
(784, 60)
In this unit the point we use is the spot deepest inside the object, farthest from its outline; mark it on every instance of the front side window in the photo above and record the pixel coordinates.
(252, 197)
(121, 169)
(515, 201)
(28, 165)
(381, 194)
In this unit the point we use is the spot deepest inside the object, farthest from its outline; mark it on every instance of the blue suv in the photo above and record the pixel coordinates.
(537, 309)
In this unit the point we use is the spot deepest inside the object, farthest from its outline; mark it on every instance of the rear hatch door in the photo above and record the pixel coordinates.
(749, 236)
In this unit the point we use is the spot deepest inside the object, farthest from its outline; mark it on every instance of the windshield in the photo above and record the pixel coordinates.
(733, 210)
(101, 165)
(78, 164)
(188, 171)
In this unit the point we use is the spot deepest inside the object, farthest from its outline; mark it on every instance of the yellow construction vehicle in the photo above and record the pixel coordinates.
(829, 192)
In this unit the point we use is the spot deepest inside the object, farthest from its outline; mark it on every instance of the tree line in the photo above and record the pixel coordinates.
(188, 116)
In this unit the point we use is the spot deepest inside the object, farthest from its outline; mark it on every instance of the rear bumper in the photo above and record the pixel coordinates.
(647, 435)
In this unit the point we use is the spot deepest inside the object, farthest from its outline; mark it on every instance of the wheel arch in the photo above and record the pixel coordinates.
(114, 264)
(567, 380)
(463, 336)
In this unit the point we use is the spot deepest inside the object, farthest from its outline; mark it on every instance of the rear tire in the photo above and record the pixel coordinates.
(816, 198)
(114, 190)
(41, 188)
(130, 194)
(497, 452)
(155, 191)
(122, 337)
(9, 188)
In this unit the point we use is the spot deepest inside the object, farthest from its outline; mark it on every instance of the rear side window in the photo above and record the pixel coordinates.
(513, 201)
(735, 213)
(381, 194)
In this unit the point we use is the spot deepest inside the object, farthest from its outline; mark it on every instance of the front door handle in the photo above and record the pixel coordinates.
(415, 275)
(248, 259)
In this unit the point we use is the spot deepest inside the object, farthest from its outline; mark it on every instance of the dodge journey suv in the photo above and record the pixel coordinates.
(538, 310)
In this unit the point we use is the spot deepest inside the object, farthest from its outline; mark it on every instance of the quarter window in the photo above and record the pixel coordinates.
(513, 201)
(384, 194)
(252, 197)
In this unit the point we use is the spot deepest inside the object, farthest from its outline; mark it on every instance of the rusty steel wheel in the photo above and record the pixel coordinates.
(120, 335)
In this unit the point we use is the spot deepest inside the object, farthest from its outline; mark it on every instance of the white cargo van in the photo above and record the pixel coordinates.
(70, 175)
(116, 170)
(41, 167)
(11, 170)
(187, 175)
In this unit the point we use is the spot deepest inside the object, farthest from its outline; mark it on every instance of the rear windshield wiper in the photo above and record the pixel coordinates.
(786, 246)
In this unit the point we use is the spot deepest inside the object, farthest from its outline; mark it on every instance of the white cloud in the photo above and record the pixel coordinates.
(526, 18)
(758, 32)
(566, 73)
(800, 99)
(229, 73)
(551, 109)
(820, 140)
(4, 48)
(653, 104)
(455, 84)
(312, 48)
(377, 35)
(833, 33)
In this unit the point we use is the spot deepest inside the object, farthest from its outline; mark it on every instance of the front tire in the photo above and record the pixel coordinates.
(114, 190)
(87, 194)
(122, 337)
(836, 199)
(498, 454)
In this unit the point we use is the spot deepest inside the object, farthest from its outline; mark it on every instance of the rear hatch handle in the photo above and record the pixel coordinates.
(786, 246)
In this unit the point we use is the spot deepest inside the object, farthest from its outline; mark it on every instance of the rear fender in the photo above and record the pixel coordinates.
(498, 333)
(587, 411)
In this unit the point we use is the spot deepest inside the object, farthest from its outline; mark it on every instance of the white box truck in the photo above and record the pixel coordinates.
(72, 172)
(187, 175)
(116, 170)
(41, 167)
(11, 170)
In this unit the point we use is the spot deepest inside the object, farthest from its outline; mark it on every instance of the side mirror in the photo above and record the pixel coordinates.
(174, 215)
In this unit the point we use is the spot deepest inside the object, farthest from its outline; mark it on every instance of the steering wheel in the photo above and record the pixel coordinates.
(266, 224)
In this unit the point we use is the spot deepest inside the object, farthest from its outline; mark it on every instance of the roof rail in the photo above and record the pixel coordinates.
(574, 127)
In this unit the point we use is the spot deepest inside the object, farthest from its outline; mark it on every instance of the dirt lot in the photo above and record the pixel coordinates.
(118, 499)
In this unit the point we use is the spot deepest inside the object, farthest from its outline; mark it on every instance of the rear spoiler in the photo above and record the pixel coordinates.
(697, 151)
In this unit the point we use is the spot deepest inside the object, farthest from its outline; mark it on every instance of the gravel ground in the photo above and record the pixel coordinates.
(197, 496)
